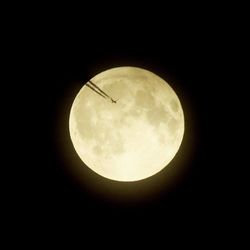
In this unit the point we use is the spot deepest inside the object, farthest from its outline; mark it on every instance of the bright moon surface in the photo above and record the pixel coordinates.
(134, 138)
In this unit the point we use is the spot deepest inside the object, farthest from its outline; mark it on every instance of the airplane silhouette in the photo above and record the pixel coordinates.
(114, 101)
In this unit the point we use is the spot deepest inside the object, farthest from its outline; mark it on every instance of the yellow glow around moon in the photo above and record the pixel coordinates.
(134, 138)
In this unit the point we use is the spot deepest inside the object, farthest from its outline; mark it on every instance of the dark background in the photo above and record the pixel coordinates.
(57, 54)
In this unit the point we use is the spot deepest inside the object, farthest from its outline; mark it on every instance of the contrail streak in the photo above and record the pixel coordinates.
(95, 90)
(99, 91)
(95, 86)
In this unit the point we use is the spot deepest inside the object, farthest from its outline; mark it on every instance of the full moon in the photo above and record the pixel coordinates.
(133, 138)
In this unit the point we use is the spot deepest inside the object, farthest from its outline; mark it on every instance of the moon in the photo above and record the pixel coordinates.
(134, 138)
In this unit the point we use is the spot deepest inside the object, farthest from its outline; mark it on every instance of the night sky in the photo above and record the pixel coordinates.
(58, 59)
